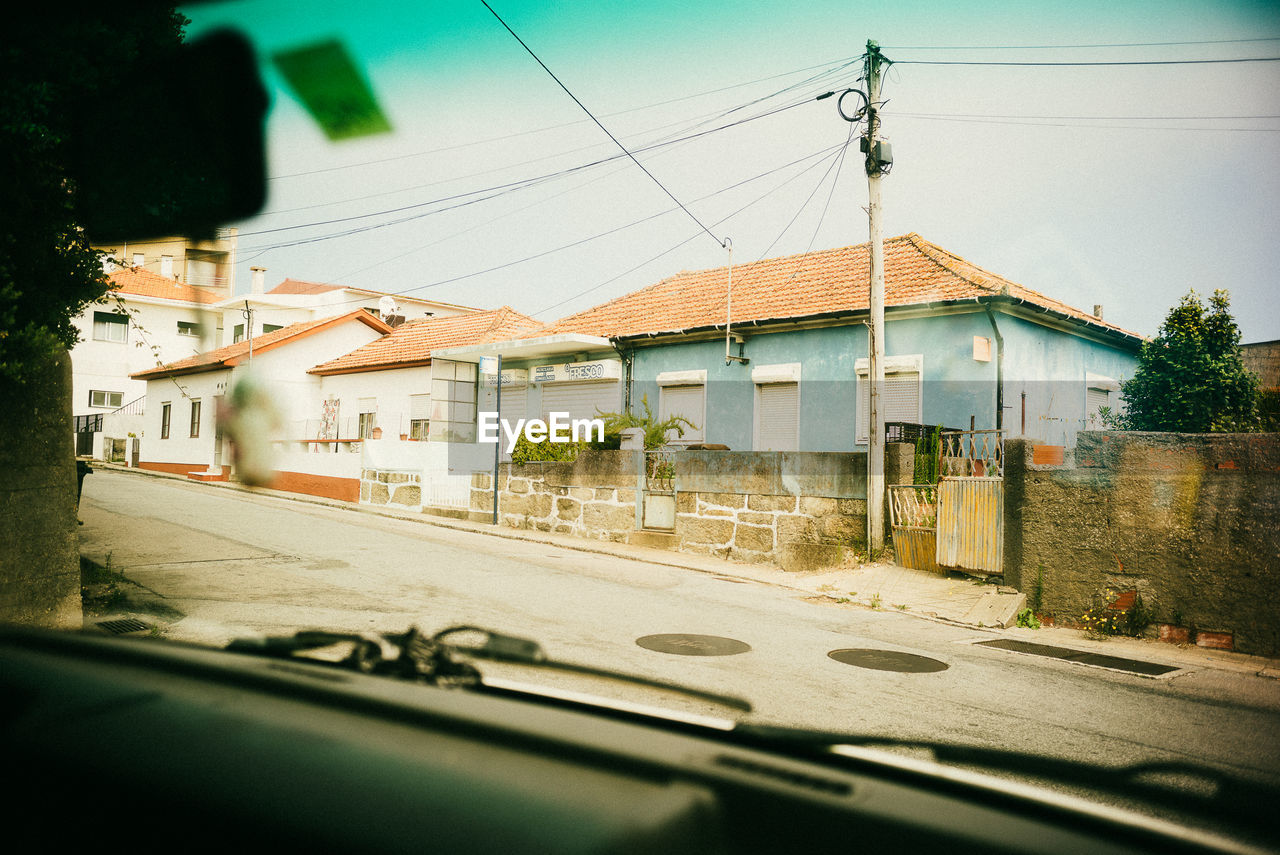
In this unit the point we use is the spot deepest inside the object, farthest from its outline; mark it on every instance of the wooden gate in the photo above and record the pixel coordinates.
(970, 508)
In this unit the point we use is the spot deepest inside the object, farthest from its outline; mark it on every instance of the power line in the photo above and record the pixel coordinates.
(697, 123)
(831, 65)
(1063, 124)
(600, 125)
(496, 190)
(1089, 63)
(1074, 47)
(832, 151)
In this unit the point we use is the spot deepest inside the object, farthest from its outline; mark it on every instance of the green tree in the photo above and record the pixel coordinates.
(1190, 377)
(59, 67)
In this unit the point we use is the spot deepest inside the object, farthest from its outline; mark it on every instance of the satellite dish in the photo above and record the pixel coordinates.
(386, 306)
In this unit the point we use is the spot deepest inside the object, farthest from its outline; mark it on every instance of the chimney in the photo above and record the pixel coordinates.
(259, 279)
(1097, 311)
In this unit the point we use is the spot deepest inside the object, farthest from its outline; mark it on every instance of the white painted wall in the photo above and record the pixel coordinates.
(391, 389)
(282, 370)
(106, 366)
(178, 393)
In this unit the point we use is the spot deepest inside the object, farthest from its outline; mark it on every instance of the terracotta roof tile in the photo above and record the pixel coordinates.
(411, 343)
(835, 280)
(230, 355)
(144, 283)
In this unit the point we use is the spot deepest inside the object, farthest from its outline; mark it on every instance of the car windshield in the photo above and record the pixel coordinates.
(902, 372)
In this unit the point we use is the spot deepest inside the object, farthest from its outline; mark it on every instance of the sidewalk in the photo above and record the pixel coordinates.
(953, 599)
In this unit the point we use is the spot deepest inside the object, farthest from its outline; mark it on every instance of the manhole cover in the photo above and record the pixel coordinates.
(887, 660)
(1080, 657)
(123, 626)
(685, 644)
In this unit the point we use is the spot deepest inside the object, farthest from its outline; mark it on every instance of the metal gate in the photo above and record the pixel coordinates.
(971, 501)
(86, 427)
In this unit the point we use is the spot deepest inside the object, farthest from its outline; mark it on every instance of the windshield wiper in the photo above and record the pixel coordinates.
(433, 659)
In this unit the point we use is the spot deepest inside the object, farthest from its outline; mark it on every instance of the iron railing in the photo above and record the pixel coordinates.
(971, 454)
(660, 471)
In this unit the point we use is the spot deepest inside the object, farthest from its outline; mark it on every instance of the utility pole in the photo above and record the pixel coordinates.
(877, 164)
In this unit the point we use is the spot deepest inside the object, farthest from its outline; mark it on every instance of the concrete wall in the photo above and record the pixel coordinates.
(796, 510)
(39, 545)
(1263, 359)
(1189, 521)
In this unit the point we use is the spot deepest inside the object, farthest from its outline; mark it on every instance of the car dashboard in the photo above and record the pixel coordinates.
(113, 740)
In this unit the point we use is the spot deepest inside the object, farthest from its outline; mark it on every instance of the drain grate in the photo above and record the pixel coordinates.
(685, 644)
(1081, 657)
(887, 660)
(123, 626)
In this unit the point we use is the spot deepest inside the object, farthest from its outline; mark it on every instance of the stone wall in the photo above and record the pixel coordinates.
(795, 510)
(391, 488)
(39, 537)
(592, 497)
(1191, 522)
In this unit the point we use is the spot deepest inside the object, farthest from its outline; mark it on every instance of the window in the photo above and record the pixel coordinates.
(900, 397)
(368, 410)
(777, 407)
(108, 326)
(166, 266)
(1097, 394)
(139, 260)
(266, 328)
(195, 418)
(165, 410)
(419, 416)
(684, 393)
(453, 401)
(237, 333)
(106, 399)
(188, 328)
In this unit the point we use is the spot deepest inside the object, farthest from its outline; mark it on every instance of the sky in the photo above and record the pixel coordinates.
(1125, 184)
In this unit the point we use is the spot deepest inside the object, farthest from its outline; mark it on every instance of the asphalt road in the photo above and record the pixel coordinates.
(228, 563)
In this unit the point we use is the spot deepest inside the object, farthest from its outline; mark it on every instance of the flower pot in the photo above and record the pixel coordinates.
(377, 433)
(403, 437)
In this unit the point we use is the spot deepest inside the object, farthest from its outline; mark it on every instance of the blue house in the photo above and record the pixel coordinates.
(777, 361)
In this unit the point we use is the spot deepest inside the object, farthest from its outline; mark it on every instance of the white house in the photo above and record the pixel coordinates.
(263, 311)
(181, 430)
(145, 320)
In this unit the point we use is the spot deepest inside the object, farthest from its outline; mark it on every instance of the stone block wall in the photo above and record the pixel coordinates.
(531, 496)
(1191, 522)
(392, 488)
(795, 510)
(793, 532)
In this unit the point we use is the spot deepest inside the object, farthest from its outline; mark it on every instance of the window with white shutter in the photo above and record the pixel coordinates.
(900, 397)
(1097, 394)
(419, 416)
(690, 402)
(777, 417)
